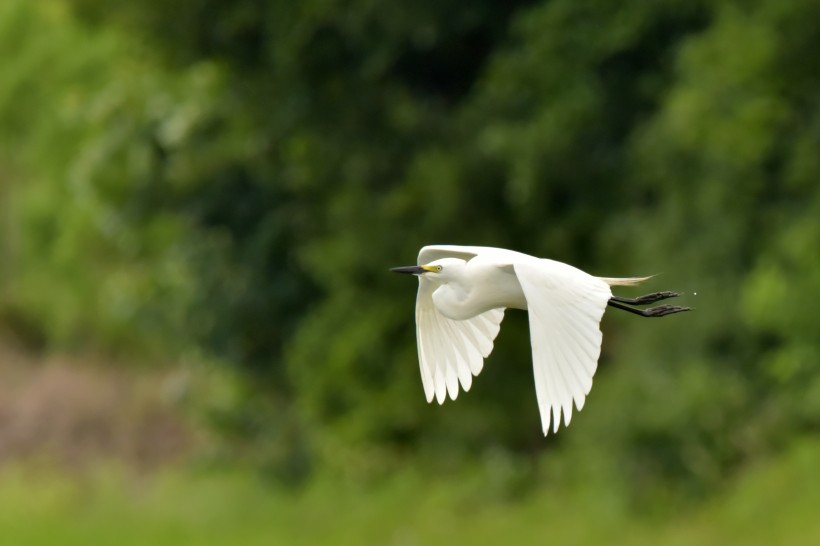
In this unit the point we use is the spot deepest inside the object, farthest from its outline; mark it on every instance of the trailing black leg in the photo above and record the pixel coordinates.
(659, 311)
(648, 298)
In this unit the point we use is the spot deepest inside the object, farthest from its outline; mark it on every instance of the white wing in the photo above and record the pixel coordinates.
(450, 351)
(565, 308)
(431, 253)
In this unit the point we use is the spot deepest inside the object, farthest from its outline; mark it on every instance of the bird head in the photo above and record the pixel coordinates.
(438, 269)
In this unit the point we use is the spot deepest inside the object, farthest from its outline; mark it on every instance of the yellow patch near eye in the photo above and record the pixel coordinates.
(430, 268)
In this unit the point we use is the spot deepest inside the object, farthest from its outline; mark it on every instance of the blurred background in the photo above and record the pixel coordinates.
(199, 201)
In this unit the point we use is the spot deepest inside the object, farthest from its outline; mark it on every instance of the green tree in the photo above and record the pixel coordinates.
(236, 178)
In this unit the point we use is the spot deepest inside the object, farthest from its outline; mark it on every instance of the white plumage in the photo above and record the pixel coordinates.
(463, 292)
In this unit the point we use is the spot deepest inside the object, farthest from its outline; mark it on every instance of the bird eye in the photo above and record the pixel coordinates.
(438, 268)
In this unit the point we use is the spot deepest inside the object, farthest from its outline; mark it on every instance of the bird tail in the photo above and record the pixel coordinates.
(625, 281)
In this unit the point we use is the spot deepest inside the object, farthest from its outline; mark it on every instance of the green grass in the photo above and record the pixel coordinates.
(774, 503)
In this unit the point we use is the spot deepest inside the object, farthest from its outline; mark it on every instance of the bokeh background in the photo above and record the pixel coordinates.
(200, 200)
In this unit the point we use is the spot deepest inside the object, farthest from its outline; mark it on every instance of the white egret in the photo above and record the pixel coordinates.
(463, 292)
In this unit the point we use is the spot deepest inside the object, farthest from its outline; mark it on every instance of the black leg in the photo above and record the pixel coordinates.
(648, 298)
(659, 311)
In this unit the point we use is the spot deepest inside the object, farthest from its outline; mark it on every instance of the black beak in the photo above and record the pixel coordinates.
(409, 269)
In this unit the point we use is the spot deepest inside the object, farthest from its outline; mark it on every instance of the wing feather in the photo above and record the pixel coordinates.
(475, 343)
(565, 309)
(567, 387)
(482, 340)
(465, 377)
(543, 396)
(425, 370)
(450, 351)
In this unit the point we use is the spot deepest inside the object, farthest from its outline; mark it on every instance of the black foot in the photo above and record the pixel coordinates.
(648, 298)
(663, 310)
(659, 311)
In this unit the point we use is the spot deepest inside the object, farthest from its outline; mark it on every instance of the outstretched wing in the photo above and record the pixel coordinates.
(565, 308)
(451, 351)
(431, 253)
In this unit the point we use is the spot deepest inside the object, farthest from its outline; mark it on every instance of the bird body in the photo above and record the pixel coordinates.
(459, 294)
(463, 293)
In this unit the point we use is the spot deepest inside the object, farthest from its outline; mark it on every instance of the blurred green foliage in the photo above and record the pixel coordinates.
(771, 503)
(232, 181)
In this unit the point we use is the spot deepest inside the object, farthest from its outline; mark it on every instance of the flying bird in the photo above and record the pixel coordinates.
(463, 293)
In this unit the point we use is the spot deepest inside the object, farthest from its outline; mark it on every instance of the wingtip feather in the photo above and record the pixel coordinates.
(579, 402)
